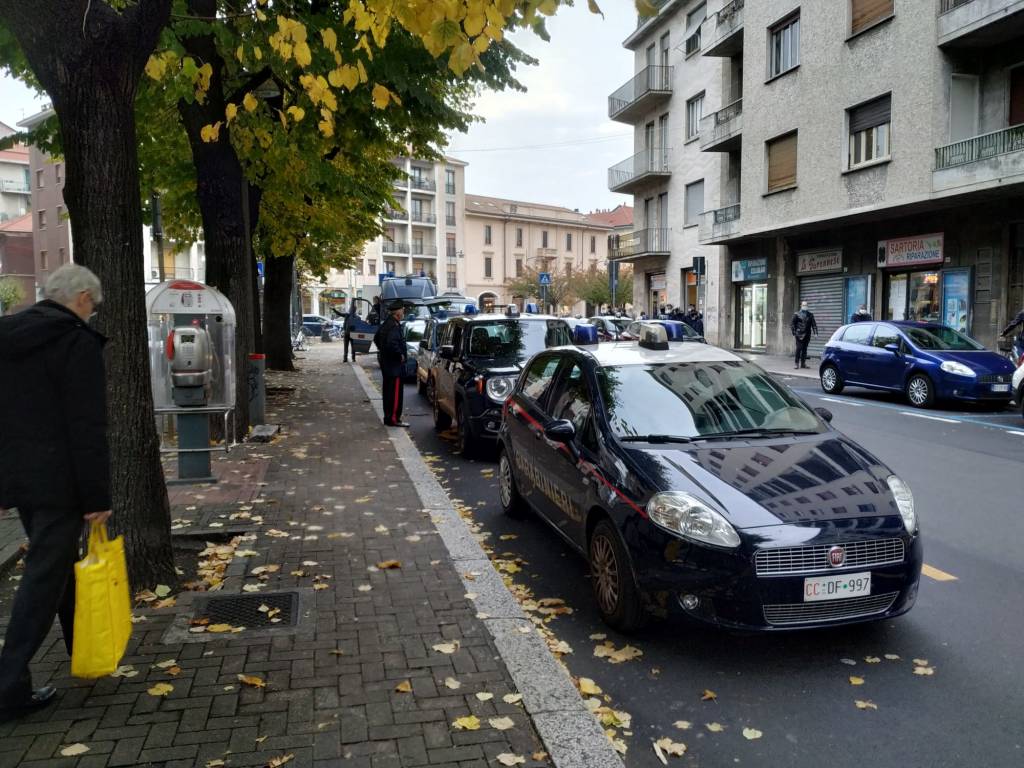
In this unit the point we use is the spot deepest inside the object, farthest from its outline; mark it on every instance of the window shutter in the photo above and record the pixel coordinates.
(871, 114)
(694, 202)
(782, 162)
(867, 12)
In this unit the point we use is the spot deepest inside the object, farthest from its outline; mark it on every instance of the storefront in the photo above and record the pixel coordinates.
(657, 292)
(916, 286)
(750, 276)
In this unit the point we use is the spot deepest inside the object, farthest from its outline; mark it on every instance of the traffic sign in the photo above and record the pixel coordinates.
(544, 278)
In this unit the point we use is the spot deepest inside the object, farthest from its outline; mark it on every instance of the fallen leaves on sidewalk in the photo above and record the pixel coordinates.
(452, 684)
(863, 704)
(512, 698)
(926, 671)
(451, 647)
(714, 727)
(126, 671)
(665, 746)
(508, 759)
(484, 696)
(683, 725)
(709, 695)
(468, 723)
(606, 650)
(404, 687)
(160, 689)
(277, 762)
(73, 750)
(385, 565)
(752, 733)
(252, 681)
(501, 723)
(854, 680)
(588, 687)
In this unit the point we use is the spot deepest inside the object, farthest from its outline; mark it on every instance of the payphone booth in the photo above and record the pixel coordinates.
(191, 361)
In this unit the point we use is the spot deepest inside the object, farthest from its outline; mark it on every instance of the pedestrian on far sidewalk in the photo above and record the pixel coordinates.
(54, 464)
(802, 326)
(350, 321)
(861, 315)
(694, 319)
(391, 352)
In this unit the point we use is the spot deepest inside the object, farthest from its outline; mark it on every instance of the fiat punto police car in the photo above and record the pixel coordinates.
(695, 483)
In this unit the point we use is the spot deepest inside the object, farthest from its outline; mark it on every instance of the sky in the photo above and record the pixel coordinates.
(565, 111)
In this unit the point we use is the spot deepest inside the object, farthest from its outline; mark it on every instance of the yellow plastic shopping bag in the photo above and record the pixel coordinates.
(103, 614)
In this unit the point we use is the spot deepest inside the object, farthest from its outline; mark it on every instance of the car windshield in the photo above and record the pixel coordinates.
(940, 337)
(408, 288)
(693, 400)
(515, 339)
(414, 330)
(619, 323)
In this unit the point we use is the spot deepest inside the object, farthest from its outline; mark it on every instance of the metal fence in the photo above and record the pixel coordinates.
(654, 160)
(648, 79)
(948, 5)
(638, 243)
(980, 147)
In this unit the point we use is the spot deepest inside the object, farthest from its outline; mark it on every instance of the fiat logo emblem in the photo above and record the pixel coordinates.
(836, 556)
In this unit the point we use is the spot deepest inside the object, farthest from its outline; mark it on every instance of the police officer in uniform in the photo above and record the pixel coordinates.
(391, 351)
(350, 320)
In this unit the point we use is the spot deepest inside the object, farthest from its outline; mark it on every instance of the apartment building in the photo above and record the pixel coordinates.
(672, 175)
(15, 198)
(505, 238)
(874, 155)
(423, 234)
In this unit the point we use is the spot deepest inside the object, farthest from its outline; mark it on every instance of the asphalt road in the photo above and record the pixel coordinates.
(966, 471)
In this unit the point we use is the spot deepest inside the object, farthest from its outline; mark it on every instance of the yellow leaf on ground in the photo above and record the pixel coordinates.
(921, 662)
(683, 725)
(277, 762)
(669, 747)
(160, 689)
(862, 704)
(854, 680)
(927, 671)
(507, 758)
(485, 696)
(252, 680)
(364, 587)
(166, 664)
(872, 660)
(452, 683)
(708, 695)
(501, 723)
(714, 727)
(469, 723)
(73, 750)
(589, 687)
(751, 733)
(386, 564)
(217, 628)
(404, 687)
(218, 763)
(892, 656)
(451, 647)
(320, 586)
(512, 698)
(626, 653)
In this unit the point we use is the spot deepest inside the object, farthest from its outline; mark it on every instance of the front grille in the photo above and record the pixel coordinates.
(995, 378)
(794, 561)
(785, 614)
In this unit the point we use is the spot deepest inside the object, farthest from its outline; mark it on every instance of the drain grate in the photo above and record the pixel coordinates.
(244, 610)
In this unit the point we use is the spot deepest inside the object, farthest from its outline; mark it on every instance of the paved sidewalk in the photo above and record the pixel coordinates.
(782, 365)
(317, 510)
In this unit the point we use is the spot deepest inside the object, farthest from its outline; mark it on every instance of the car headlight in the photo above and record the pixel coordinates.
(951, 366)
(904, 501)
(500, 387)
(686, 515)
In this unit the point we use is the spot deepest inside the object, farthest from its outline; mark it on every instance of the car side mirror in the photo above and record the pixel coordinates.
(894, 348)
(561, 431)
(825, 414)
(447, 352)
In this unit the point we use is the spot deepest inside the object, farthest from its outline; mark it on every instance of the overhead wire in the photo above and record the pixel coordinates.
(549, 145)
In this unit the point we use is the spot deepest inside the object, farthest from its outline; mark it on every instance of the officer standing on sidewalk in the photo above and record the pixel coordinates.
(391, 352)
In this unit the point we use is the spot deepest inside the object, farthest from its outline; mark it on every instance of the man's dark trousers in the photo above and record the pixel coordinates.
(393, 398)
(46, 590)
(801, 350)
(348, 343)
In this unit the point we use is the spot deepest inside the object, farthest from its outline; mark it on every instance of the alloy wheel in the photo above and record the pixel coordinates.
(505, 480)
(917, 391)
(828, 379)
(605, 570)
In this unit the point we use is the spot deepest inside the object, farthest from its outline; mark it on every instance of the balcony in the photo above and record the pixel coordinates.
(719, 225)
(721, 130)
(635, 245)
(722, 33)
(19, 187)
(629, 175)
(421, 249)
(979, 23)
(651, 86)
(390, 247)
(419, 184)
(391, 214)
(402, 183)
(422, 217)
(993, 157)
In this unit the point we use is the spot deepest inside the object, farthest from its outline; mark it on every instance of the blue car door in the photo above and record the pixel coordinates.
(854, 362)
(888, 368)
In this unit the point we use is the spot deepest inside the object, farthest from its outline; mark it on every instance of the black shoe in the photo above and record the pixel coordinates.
(803, 366)
(402, 424)
(41, 697)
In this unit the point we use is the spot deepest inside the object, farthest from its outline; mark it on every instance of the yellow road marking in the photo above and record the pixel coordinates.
(934, 573)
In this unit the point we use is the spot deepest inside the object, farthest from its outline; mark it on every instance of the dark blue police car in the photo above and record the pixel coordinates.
(695, 483)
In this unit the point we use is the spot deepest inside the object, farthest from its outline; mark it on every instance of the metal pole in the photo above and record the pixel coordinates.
(158, 235)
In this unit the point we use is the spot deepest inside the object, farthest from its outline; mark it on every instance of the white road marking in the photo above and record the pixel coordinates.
(933, 418)
(843, 402)
(1014, 432)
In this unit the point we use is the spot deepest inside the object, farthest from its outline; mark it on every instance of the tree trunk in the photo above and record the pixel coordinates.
(92, 76)
(255, 195)
(277, 311)
(219, 187)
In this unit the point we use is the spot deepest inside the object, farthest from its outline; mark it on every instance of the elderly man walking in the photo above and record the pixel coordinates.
(54, 463)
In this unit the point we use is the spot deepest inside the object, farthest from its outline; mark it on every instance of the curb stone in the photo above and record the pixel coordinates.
(572, 736)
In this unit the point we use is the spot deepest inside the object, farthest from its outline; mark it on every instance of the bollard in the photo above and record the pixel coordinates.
(257, 389)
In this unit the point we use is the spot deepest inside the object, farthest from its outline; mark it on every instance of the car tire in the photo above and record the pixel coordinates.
(611, 575)
(466, 446)
(920, 391)
(831, 380)
(512, 503)
(442, 421)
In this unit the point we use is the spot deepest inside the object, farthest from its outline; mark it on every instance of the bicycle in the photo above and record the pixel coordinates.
(299, 341)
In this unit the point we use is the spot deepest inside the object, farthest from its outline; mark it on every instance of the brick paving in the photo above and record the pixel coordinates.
(333, 486)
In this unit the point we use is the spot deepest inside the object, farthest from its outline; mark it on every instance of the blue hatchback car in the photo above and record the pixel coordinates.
(925, 361)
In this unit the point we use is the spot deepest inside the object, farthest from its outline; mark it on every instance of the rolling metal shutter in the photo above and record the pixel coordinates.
(824, 297)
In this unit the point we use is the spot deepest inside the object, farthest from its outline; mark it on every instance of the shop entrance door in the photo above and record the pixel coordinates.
(753, 301)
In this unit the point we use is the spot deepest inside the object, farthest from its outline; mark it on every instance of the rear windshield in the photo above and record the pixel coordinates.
(940, 337)
(515, 339)
(408, 288)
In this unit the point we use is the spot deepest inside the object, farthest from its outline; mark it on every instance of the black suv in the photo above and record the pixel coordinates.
(477, 365)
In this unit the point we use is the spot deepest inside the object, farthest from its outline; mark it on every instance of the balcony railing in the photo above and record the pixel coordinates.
(721, 129)
(449, 221)
(649, 162)
(948, 5)
(9, 185)
(693, 42)
(390, 247)
(719, 223)
(642, 242)
(653, 81)
(979, 24)
(401, 183)
(424, 218)
(723, 36)
(421, 249)
(421, 183)
(980, 147)
(396, 215)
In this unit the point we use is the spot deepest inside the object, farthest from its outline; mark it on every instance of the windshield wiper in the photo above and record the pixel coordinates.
(760, 431)
(656, 439)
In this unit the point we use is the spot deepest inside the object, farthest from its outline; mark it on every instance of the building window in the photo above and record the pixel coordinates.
(487, 234)
(694, 112)
(44, 261)
(519, 237)
(371, 267)
(452, 282)
(593, 244)
(60, 255)
(40, 180)
(389, 267)
(519, 267)
(865, 13)
(42, 219)
(450, 246)
(488, 267)
(694, 203)
(58, 170)
(60, 215)
(784, 46)
(693, 21)
(869, 131)
(449, 213)
(568, 241)
(449, 181)
(782, 162)
(568, 267)
(544, 238)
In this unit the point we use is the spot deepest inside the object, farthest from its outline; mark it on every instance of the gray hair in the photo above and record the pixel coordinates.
(70, 280)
